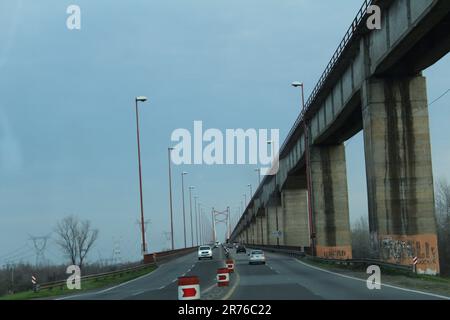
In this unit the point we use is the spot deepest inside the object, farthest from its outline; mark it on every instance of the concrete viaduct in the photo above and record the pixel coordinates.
(373, 83)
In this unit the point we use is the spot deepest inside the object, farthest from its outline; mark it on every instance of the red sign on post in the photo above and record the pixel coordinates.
(230, 265)
(223, 277)
(188, 288)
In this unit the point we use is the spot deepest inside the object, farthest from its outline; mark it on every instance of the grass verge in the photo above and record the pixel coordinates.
(86, 286)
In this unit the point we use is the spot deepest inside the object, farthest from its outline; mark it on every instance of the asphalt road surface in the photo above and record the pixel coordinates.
(161, 284)
(286, 278)
(281, 278)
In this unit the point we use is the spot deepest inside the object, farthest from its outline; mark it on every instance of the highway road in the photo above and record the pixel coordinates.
(281, 278)
(161, 284)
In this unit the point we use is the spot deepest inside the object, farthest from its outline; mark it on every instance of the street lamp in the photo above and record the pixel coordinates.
(184, 212)
(297, 84)
(140, 99)
(196, 219)
(245, 199)
(251, 191)
(190, 205)
(199, 225)
(169, 150)
(308, 168)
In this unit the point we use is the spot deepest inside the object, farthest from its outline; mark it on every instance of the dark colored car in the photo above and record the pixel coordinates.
(240, 249)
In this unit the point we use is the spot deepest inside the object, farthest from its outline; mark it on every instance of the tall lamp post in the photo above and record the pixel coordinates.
(184, 211)
(169, 151)
(308, 168)
(251, 191)
(137, 100)
(190, 205)
(196, 219)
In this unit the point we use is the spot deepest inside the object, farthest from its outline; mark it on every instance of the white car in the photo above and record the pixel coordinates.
(257, 257)
(205, 252)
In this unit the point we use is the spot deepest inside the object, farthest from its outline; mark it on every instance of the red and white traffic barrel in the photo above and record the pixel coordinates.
(188, 288)
(223, 277)
(230, 265)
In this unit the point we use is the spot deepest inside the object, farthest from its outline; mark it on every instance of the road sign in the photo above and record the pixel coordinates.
(277, 233)
(223, 277)
(33, 280)
(415, 260)
(188, 288)
(230, 265)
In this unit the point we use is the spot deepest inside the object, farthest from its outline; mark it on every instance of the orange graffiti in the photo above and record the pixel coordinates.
(336, 252)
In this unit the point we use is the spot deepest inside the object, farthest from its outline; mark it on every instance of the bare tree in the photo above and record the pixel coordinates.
(443, 224)
(360, 238)
(75, 238)
(85, 240)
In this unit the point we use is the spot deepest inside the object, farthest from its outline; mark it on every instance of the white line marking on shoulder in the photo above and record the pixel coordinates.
(383, 285)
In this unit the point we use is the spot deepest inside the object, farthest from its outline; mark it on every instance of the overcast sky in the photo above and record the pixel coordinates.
(67, 126)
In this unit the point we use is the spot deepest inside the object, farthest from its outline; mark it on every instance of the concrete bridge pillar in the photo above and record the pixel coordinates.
(330, 202)
(399, 171)
(258, 229)
(274, 223)
(253, 228)
(295, 226)
(264, 228)
(247, 234)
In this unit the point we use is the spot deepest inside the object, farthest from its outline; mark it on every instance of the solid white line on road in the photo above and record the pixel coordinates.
(162, 287)
(138, 293)
(230, 293)
(385, 285)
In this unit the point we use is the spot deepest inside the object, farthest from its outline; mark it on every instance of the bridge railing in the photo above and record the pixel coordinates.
(360, 17)
(111, 274)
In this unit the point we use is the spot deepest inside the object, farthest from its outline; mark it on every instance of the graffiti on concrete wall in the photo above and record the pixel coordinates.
(338, 252)
(404, 250)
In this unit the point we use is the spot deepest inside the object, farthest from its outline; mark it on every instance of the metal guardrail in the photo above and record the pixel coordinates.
(346, 262)
(98, 276)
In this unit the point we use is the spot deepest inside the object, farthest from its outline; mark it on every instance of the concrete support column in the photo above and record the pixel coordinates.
(399, 171)
(258, 221)
(330, 202)
(247, 237)
(274, 213)
(295, 217)
(253, 228)
(264, 229)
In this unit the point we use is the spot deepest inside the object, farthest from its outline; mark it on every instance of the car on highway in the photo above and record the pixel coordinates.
(257, 257)
(205, 252)
(241, 249)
